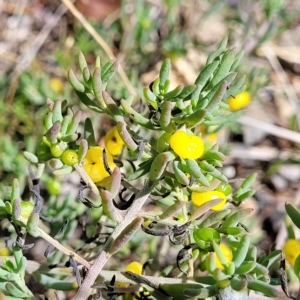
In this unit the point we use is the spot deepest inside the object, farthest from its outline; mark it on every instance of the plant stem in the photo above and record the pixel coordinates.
(86, 178)
(63, 249)
(103, 257)
(92, 275)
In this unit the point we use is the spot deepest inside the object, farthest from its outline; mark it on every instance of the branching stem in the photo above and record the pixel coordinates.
(103, 257)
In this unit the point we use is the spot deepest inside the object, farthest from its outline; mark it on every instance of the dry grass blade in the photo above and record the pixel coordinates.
(90, 29)
(27, 56)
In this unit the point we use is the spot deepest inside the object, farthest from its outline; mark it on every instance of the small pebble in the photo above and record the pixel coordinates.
(279, 182)
(290, 172)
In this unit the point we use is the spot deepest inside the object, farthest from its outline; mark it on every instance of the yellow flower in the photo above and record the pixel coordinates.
(113, 142)
(240, 101)
(200, 198)
(134, 267)
(56, 85)
(227, 253)
(291, 250)
(187, 145)
(94, 165)
(4, 252)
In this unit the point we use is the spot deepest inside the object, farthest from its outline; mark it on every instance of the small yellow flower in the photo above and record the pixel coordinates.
(187, 145)
(240, 101)
(200, 198)
(94, 165)
(291, 250)
(113, 142)
(56, 85)
(4, 252)
(227, 253)
(212, 137)
(134, 267)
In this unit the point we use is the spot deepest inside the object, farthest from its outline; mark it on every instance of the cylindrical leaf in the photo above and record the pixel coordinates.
(240, 253)
(112, 107)
(97, 86)
(238, 284)
(195, 171)
(159, 165)
(135, 116)
(72, 128)
(82, 61)
(126, 137)
(114, 185)
(196, 117)
(108, 207)
(179, 174)
(172, 210)
(164, 72)
(262, 287)
(56, 112)
(215, 217)
(31, 157)
(245, 267)
(166, 114)
(217, 97)
(236, 217)
(32, 225)
(125, 235)
(76, 84)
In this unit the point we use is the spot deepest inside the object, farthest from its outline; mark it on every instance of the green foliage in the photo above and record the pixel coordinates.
(206, 96)
(12, 276)
(149, 167)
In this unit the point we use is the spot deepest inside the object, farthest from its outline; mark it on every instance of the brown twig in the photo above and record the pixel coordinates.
(280, 132)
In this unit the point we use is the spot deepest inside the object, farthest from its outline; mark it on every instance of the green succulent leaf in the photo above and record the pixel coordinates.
(262, 287)
(164, 73)
(205, 238)
(88, 102)
(143, 169)
(293, 213)
(108, 71)
(236, 217)
(297, 266)
(184, 291)
(53, 283)
(240, 253)
(238, 284)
